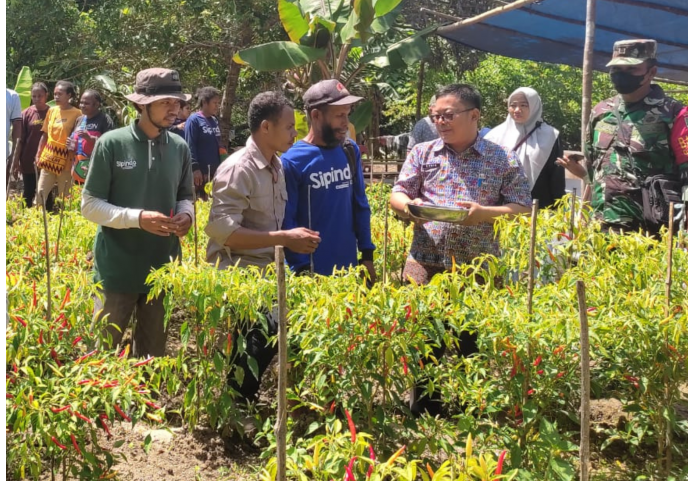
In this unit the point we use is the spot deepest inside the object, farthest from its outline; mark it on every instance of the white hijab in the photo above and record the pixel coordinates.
(535, 151)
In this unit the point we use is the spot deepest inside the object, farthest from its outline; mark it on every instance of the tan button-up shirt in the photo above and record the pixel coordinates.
(250, 192)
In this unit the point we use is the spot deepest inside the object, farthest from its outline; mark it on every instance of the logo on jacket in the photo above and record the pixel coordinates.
(324, 179)
(126, 164)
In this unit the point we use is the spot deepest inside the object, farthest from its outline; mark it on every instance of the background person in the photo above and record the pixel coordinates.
(535, 142)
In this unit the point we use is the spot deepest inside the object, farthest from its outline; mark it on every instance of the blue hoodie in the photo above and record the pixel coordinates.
(339, 210)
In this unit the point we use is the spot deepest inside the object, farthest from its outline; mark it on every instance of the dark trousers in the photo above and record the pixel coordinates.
(29, 188)
(259, 348)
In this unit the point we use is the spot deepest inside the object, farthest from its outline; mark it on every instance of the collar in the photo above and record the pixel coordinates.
(655, 96)
(478, 146)
(141, 136)
(257, 156)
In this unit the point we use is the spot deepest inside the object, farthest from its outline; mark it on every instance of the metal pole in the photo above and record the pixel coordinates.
(531, 261)
(588, 55)
(281, 424)
(585, 383)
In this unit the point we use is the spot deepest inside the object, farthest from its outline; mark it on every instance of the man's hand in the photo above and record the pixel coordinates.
(301, 240)
(411, 217)
(183, 224)
(572, 165)
(476, 213)
(370, 267)
(197, 178)
(157, 223)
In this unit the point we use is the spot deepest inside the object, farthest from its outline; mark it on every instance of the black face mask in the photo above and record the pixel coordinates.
(626, 83)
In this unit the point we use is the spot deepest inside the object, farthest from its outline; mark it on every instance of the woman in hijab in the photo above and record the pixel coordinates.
(536, 144)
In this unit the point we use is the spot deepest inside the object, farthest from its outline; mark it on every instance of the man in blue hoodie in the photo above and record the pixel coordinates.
(325, 187)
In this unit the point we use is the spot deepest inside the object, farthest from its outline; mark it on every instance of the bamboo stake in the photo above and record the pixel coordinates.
(484, 16)
(531, 260)
(670, 253)
(585, 383)
(384, 249)
(59, 226)
(47, 258)
(588, 57)
(573, 213)
(281, 424)
(195, 231)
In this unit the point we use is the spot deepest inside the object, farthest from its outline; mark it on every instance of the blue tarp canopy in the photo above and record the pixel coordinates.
(554, 31)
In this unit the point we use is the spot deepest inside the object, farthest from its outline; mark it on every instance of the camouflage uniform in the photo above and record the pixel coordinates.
(620, 158)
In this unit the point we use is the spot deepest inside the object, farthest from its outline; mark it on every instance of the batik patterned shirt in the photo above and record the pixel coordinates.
(484, 173)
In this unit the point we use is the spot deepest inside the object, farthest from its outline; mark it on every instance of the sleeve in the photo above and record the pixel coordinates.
(190, 135)
(362, 212)
(186, 187)
(409, 180)
(231, 192)
(185, 207)
(25, 127)
(515, 188)
(15, 112)
(99, 172)
(679, 140)
(292, 177)
(557, 172)
(103, 213)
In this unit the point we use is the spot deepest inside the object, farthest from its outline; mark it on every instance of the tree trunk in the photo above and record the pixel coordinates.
(229, 99)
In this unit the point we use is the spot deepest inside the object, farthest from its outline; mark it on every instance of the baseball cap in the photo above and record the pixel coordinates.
(328, 92)
(633, 52)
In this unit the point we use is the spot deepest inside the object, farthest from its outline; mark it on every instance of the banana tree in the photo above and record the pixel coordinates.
(337, 39)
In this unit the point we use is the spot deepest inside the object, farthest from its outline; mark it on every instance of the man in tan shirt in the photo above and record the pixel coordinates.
(249, 198)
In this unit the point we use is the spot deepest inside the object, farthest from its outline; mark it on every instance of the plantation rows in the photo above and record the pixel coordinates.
(511, 410)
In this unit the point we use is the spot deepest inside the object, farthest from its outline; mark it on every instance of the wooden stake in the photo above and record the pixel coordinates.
(195, 231)
(588, 58)
(59, 226)
(573, 213)
(47, 258)
(531, 260)
(585, 383)
(484, 16)
(281, 424)
(384, 249)
(670, 254)
(419, 90)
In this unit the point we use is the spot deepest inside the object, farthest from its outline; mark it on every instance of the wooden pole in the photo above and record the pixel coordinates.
(670, 254)
(585, 383)
(195, 231)
(47, 258)
(531, 259)
(572, 221)
(384, 249)
(419, 92)
(59, 226)
(281, 424)
(588, 56)
(484, 16)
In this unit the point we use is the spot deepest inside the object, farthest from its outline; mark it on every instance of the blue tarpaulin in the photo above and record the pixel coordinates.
(554, 31)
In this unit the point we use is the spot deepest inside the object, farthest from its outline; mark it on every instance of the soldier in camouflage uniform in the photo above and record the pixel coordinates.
(628, 138)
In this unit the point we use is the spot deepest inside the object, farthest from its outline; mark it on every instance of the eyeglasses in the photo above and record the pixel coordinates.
(447, 117)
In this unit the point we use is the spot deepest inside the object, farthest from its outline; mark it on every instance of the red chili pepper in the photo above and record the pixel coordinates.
(171, 213)
(86, 356)
(560, 375)
(8, 396)
(145, 361)
(558, 350)
(15, 368)
(59, 410)
(105, 426)
(540, 372)
(391, 329)
(20, 320)
(61, 446)
(229, 343)
(35, 300)
(403, 360)
(76, 446)
(350, 470)
(372, 458)
(121, 354)
(592, 309)
(29, 259)
(564, 235)
(122, 413)
(348, 312)
(500, 462)
(327, 322)
(531, 392)
(53, 354)
(334, 403)
(84, 381)
(537, 361)
(408, 311)
(108, 385)
(66, 299)
(352, 427)
(76, 340)
(205, 350)
(40, 338)
(153, 405)
(82, 417)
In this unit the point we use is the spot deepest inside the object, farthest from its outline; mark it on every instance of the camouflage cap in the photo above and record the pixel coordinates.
(633, 52)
